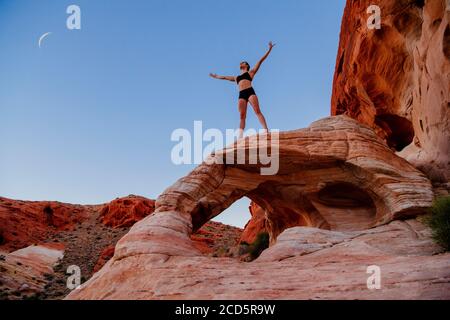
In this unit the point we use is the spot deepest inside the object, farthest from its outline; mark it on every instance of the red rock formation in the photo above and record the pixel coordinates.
(306, 263)
(106, 254)
(124, 212)
(23, 223)
(25, 272)
(331, 175)
(336, 174)
(82, 237)
(26, 223)
(215, 238)
(255, 225)
(396, 79)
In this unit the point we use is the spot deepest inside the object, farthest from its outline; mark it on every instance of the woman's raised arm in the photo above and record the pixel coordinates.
(258, 65)
(229, 78)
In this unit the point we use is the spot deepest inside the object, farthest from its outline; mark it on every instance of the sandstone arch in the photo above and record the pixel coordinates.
(336, 153)
(332, 151)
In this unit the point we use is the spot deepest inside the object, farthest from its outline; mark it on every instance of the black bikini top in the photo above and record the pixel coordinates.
(244, 76)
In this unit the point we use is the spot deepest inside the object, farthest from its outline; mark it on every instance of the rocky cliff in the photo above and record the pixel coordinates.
(396, 79)
(23, 223)
(256, 224)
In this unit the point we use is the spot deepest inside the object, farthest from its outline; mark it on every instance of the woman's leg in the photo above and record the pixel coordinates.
(242, 105)
(255, 104)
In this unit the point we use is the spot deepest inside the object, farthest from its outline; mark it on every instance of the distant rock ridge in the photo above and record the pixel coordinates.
(40, 239)
(23, 223)
(124, 212)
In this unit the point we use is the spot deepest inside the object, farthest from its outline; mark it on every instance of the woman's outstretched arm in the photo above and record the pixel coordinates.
(258, 65)
(229, 78)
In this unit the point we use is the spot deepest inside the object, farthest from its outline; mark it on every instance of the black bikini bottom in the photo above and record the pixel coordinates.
(246, 93)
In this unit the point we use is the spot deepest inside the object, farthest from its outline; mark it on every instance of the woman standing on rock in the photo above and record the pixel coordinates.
(246, 91)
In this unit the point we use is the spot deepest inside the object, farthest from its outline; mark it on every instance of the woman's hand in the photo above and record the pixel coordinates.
(213, 75)
(258, 64)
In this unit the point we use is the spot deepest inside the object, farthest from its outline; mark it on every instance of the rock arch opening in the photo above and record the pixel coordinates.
(277, 206)
(237, 215)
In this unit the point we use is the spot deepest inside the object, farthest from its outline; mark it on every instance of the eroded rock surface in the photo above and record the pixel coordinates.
(397, 79)
(256, 224)
(23, 223)
(87, 235)
(337, 174)
(24, 273)
(124, 212)
(306, 263)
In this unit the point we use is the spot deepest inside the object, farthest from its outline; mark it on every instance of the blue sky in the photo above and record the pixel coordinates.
(88, 116)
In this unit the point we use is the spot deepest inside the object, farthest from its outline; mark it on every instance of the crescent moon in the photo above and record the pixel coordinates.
(42, 38)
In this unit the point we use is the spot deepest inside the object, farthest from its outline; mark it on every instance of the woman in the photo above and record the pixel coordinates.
(246, 91)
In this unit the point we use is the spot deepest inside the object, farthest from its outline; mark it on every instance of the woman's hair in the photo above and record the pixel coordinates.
(246, 63)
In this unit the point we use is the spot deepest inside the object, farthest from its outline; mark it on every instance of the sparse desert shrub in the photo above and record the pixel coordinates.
(243, 248)
(260, 244)
(3, 295)
(220, 252)
(48, 276)
(33, 296)
(439, 221)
